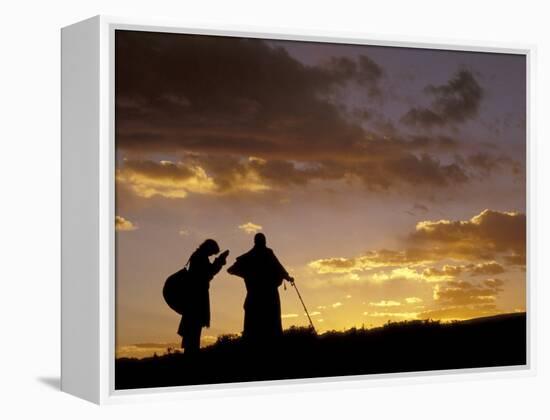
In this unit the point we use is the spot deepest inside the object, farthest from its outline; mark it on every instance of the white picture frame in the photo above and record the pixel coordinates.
(88, 231)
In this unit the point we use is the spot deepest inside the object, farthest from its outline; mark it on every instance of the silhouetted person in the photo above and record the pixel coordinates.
(196, 308)
(263, 274)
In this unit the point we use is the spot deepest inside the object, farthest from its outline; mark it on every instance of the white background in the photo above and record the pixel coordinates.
(30, 179)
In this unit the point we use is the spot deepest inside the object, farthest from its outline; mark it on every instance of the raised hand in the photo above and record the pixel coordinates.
(223, 256)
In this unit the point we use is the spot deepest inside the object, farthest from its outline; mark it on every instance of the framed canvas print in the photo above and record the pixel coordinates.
(243, 209)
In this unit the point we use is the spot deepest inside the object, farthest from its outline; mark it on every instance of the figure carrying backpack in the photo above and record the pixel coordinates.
(174, 289)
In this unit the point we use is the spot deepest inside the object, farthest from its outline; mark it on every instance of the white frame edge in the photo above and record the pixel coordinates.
(80, 190)
(103, 316)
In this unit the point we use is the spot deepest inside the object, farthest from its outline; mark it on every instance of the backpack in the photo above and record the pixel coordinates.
(174, 289)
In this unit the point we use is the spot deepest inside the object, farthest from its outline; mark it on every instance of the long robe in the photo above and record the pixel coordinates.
(263, 274)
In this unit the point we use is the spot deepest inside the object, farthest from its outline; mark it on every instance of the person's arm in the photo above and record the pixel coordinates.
(237, 269)
(218, 263)
(281, 269)
(203, 270)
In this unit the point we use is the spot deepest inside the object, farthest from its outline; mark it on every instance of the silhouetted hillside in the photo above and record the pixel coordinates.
(396, 347)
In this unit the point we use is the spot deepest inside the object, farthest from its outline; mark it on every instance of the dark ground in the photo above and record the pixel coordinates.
(410, 346)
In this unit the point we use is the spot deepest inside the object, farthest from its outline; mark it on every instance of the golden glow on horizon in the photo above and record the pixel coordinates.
(368, 319)
(430, 288)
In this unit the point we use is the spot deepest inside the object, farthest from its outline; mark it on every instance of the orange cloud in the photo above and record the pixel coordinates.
(486, 236)
(370, 260)
(250, 227)
(445, 273)
(413, 300)
(168, 179)
(482, 237)
(455, 293)
(385, 303)
(124, 225)
(454, 299)
(448, 272)
(487, 268)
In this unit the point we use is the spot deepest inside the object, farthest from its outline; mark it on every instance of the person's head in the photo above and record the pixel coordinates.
(209, 247)
(260, 240)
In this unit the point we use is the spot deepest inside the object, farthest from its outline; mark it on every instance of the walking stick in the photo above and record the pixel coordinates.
(304, 305)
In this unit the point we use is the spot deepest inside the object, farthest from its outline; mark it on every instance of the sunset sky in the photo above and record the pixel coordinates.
(390, 182)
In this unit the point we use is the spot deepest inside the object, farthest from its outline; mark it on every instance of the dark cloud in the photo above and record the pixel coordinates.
(485, 163)
(441, 143)
(454, 102)
(417, 208)
(236, 95)
(369, 74)
(233, 175)
(426, 170)
(421, 207)
(223, 100)
(364, 71)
